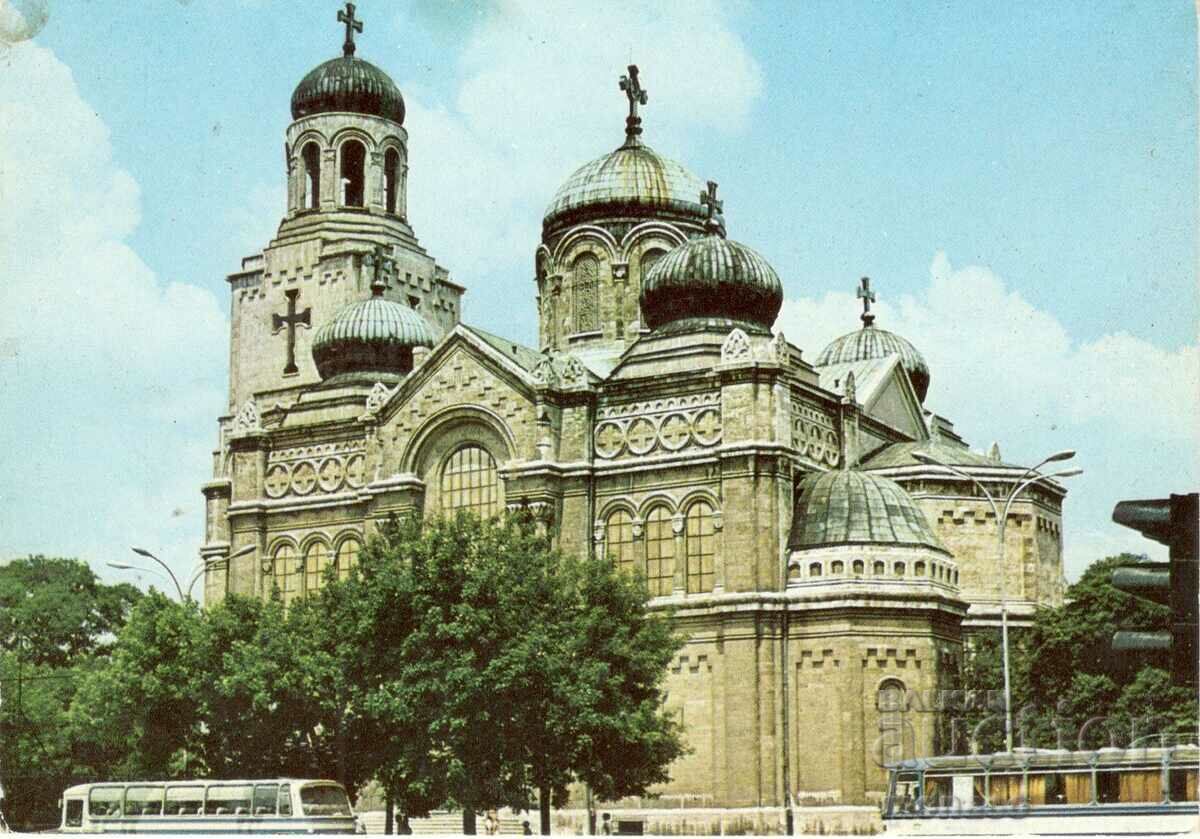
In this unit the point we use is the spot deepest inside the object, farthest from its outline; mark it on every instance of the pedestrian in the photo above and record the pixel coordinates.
(526, 830)
(491, 825)
(605, 824)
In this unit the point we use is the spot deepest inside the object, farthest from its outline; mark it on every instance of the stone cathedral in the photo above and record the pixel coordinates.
(825, 579)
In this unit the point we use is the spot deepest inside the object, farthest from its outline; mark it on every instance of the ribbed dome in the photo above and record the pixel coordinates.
(374, 335)
(348, 84)
(871, 342)
(634, 178)
(852, 507)
(711, 281)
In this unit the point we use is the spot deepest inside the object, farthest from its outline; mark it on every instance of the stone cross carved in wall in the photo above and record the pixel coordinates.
(636, 95)
(867, 297)
(353, 25)
(290, 320)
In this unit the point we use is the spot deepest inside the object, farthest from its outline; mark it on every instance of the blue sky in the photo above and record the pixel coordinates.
(1018, 179)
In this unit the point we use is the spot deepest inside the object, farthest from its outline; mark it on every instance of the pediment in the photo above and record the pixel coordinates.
(884, 390)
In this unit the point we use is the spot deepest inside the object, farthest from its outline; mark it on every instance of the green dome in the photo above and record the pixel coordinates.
(372, 336)
(849, 507)
(711, 281)
(631, 180)
(348, 84)
(871, 342)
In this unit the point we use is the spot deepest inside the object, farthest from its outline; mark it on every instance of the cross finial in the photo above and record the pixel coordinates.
(714, 205)
(867, 297)
(352, 25)
(636, 96)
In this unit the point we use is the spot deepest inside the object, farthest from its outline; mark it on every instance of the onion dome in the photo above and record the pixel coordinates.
(848, 507)
(711, 281)
(871, 342)
(375, 336)
(348, 84)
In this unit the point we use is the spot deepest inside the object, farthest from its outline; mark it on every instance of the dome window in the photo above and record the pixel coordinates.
(839, 567)
(353, 161)
(919, 569)
(391, 172)
(899, 569)
(814, 569)
(879, 570)
(858, 567)
(312, 176)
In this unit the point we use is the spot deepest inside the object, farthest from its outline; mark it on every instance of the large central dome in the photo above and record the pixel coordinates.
(348, 85)
(630, 180)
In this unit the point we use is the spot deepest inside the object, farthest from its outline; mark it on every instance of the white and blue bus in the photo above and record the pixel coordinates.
(1041, 791)
(277, 805)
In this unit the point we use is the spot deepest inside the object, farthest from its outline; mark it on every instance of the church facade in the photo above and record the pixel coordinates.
(824, 577)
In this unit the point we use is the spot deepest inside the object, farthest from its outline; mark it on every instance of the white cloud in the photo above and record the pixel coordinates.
(111, 376)
(1003, 369)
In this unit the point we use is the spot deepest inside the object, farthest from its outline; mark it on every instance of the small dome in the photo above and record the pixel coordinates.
(852, 507)
(711, 281)
(632, 179)
(871, 342)
(348, 84)
(372, 336)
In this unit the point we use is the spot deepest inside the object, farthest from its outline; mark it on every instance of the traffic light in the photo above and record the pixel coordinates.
(1173, 522)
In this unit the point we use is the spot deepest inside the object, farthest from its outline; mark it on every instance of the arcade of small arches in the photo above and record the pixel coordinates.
(366, 171)
(299, 571)
(859, 568)
(667, 546)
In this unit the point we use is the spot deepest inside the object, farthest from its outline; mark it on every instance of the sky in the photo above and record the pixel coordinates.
(1019, 180)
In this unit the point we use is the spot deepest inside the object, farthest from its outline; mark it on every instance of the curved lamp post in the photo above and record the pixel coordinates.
(1030, 477)
(184, 594)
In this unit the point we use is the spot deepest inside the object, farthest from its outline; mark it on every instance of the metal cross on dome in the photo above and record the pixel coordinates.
(352, 25)
(636, 95)
(867, 297)
(713, 204)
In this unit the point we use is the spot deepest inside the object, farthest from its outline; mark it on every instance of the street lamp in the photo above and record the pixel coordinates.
(1030, 477)
(242, 551)
(183, 595)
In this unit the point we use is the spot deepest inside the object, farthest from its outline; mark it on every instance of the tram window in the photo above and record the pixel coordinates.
(938, 792)
(1183, 784)
(143, 801)
(1141, 786)
(1108, 787)
(285, 800)
(74, 817)
(265, 796)
(184, 801)
(228, 800)
(105, 801)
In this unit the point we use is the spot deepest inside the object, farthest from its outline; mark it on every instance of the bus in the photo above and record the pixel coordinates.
(1046, 791)
(277, 805)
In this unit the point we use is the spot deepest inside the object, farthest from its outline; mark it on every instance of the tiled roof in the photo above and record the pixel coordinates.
(852, 507)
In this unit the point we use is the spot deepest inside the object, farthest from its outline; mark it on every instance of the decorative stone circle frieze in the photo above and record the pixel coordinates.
(813, 436)
(321, 469)
(668, 425)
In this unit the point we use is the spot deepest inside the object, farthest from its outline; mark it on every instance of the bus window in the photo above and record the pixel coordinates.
(104, 802)
(324, 800)
(938, 792)
(1141, 786)
(904, 796)
(285, 800)
(1005, 790)
(1183, 784)
(1108, 787)
(228, 800)
(143, 801)
(265, 796)
(184, 801)
(74, 814)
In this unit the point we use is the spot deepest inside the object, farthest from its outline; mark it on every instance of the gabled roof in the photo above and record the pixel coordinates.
(526, 357)
(885, 390)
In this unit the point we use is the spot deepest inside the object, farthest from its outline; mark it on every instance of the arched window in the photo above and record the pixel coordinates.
(587, 293)
(391, 178)
(618, 539)
(469, 482)
(347, 557)
(858, 567)
(316, 560)
(919, 569)
(878, 569)
(898, 569)
(814, 569)
(838, 567)
(354, 158)
(286, 573)
(700, 547)
(312, 176)
(891, 701)
(660, 552)
(649, 258)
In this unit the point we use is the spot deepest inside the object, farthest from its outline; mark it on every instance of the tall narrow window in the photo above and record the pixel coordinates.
(469, 482)
(391, 178)
(618, 537)
(312, 176)
(316, 560)
(353, 160)
(891, 702)
(587, 293)
(700, 547)
(286, 573)
(347, 557)
(660, 552)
